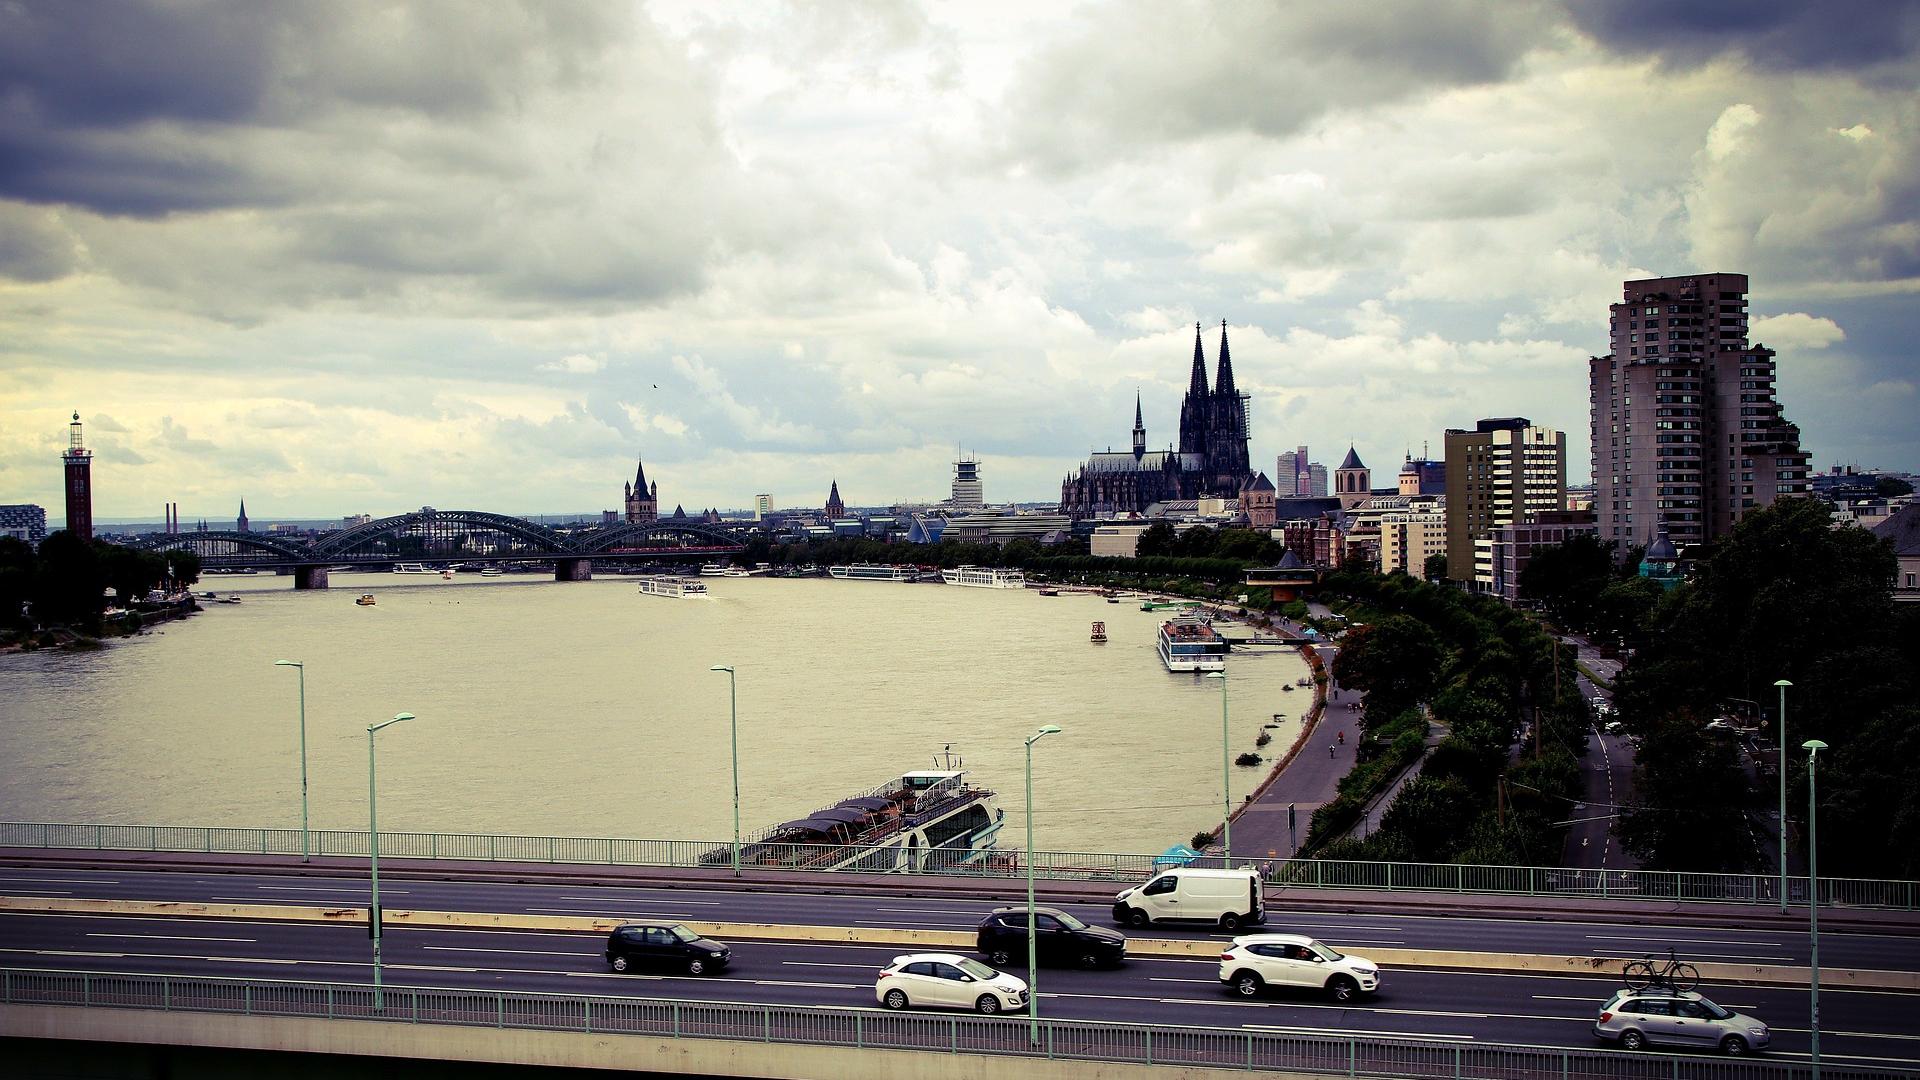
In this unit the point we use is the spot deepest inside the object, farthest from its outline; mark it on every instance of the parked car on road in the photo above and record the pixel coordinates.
(1257, 961)
(664, 945)
(1059, 938)
(1638, 1018)
(948, 980)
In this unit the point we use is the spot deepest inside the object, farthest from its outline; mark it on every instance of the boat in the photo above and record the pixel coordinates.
(865, 572)
(931, 820)
(680, 588)
(1099, 633)
(714, 570)
(413, 568)
(491, 571)
(1049, 592)
(1192, 644)
(446, 574)
(366, 600)
(735, 571)
(984, 577)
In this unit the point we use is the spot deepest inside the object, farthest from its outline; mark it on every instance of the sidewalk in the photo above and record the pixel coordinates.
(1376, 807)
(1271, 824)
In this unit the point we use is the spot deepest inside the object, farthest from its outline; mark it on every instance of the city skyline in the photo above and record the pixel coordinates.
(492, 260)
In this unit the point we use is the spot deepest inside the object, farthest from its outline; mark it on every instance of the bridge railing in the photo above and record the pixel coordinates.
(1653, 885)
(1140, 1044)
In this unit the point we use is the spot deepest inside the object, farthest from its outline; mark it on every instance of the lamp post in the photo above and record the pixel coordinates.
(1781, 768)
(1813, 748)
(1033, 952)
(1226, 778)
(304, 850)
(733, 713)
(373, 851)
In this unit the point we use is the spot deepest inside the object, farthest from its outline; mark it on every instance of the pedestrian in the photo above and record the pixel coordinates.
(1330, 750)
(1343, 736)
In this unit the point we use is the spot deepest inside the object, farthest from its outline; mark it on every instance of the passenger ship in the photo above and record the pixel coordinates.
(414, 568)
(927, 821)
(863, 572)
(681, 588)
(984, 577)
(1192, 644)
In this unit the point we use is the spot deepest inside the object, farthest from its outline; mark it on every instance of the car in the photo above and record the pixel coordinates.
(1229, 899)
(1058, 938)
(1258, 961)
(948, 980)
(664, 946)
(1639, 1018)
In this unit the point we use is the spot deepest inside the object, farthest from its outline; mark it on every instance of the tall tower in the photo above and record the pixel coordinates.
(1227, 433)
(968, 491)
(79, 462)
(835, 508)
(1139, 430)
(240, 523)
(1352, 481)
(1196, 410)
(643, 502)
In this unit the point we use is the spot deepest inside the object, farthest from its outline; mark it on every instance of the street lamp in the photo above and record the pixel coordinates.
(1781, 767)
(1813, 748)
(373, 851)
(1226, 778)
(303, 751)
(733, 711)
(1033, 953)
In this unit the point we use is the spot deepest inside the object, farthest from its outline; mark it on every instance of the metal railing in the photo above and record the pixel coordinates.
(1652, 885)
(1218, 1048)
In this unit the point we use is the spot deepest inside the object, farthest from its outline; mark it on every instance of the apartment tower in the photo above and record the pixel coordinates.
(1682, 378)
(1504, 472)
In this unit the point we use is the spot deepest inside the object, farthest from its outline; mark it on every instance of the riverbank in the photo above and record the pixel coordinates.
(123, 624)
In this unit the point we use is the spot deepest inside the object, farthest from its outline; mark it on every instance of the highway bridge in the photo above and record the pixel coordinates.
(438, 538)
(243, 948)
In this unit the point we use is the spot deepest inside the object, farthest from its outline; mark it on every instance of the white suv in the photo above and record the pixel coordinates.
(1258, 961)
(948, 979)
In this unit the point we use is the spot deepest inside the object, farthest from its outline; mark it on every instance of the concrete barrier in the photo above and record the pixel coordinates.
(947, 940)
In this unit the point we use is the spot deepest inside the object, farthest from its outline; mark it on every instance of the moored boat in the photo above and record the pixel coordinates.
(413, 568)
(714, 570)
(866, 572)
(1191, 644)
(984, 577)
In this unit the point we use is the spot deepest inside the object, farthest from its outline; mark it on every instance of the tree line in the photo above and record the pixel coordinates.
(66, 582)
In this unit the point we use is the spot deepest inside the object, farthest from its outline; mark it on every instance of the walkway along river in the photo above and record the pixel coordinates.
(587, 709)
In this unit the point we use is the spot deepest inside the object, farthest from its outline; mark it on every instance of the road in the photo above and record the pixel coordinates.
(1866, 1027)
(1593, 840)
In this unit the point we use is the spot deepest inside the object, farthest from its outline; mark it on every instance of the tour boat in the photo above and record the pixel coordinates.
(1192, 644)
(714, 570)
(864, 572)
(984, 577)
(413, 568)
(491, 571)
(1099, 633)
(366, 600)
(932, 820)
(681, 588)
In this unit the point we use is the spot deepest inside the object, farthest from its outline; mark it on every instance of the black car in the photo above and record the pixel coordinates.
(1059, 938)
(664, 945)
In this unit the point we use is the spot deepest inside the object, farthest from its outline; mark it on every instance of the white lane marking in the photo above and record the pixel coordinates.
(1597, 1004)
(641, 900)
(509, 952)
(175, 937)
(835, 986)
(931, 911)
(1751, 958)
(822, 963)
(1357, 1031)
(1653, 932)
(290, 901)
(636, 915)
(322, 888)
(40, 892)
(66, 952)
(57, 881)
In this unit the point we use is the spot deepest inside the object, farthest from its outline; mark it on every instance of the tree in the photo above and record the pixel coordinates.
(17, 564)
(1566, 579)
(69, 582)
(1155, 539)
(1395, 661)
(1891, 487)
(1435, 568)
(183, 567)
(1432, 815)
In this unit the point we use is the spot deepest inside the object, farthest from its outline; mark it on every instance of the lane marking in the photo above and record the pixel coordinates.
(641, 900)
(1358, 1031)
(1653, 932)
(934, 911)
(176, 937)
(322, 888)
(57, 881)
(509, 952)
(636, 916)
(830, 986)
(822, 963)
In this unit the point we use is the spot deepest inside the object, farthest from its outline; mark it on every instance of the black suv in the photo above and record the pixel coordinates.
(664, 945)
(1059, 939)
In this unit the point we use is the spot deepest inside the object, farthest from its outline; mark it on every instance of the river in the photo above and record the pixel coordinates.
(587, 709)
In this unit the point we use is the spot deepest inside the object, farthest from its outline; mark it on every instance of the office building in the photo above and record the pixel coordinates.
(1509, 547)
(1504, 472)
(762, 506)
(968, 492)
(1685, 383)
(25, 522)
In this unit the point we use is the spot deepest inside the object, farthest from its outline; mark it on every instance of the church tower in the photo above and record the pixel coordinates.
(1196, 411)
(1352, 481)
(835, 508)
(1139, 430)
(1227, 464)
(240, 523)
(643, 502)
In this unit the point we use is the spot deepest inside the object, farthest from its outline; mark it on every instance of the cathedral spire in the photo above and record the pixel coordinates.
(1223, 385)
(1197, 382)
(1139, 428)
(640, 476)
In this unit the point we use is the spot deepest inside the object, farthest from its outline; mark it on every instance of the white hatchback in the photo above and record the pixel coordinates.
(1258, 961)
(948, 980)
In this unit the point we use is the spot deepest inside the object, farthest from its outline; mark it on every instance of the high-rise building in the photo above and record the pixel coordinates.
(79, 462)
(1286, 473)
(762, 506)
(970, 494)
(1408, 537)
(642, 502)
(1504, 472)
(1316, 481)
(1684, 379)
(25, 522)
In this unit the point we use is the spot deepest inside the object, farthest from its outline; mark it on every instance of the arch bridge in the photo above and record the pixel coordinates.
(442, 539)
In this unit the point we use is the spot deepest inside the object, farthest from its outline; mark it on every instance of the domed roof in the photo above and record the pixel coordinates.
(1662, 549)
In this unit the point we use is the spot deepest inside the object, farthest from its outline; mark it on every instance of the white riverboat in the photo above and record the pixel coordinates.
(931, 820)
(714, 570)
(984, 577)
(1192, 644)
(679, 588)
(414, 568)
(864, 572)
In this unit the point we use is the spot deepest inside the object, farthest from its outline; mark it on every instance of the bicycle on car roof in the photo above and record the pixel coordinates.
(1673, 974)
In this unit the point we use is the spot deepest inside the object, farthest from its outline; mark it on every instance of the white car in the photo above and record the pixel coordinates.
(948, 980)
(1258, 961)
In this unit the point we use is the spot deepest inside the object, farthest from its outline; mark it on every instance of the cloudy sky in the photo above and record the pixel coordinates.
(361, 257)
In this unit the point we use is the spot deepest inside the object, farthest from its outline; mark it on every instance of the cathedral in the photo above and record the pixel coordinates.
(642, 502)
(1211, 459)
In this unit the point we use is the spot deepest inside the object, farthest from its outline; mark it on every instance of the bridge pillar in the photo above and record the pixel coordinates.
(309, 577)
(573, 570)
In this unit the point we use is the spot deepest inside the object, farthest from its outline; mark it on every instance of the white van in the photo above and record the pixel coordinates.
(1228, 899)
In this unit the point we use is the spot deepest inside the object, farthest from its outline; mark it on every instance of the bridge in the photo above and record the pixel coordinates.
(222, 937)
(442, 538)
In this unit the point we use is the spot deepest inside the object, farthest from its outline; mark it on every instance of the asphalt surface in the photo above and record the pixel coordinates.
(1869, 1028)
(1593, 840)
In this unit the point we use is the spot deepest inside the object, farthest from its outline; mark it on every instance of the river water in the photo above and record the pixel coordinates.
(587, 709)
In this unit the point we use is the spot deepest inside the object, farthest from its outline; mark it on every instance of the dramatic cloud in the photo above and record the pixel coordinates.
(1839, 35)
